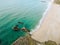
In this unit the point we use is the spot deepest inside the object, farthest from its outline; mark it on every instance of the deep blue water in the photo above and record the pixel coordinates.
(12, 11)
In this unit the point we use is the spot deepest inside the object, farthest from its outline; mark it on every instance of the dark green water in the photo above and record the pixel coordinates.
(12, 11)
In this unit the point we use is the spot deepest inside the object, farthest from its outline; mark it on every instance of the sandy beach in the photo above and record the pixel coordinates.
(50, 28)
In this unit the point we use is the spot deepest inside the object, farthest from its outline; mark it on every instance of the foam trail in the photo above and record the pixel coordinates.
(44, 15)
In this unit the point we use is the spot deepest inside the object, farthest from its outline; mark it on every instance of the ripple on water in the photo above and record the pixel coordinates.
(29, 12)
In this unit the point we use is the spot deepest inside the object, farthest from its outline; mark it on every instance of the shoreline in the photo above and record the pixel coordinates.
(50, 29)
(41, 21)
(43, 17)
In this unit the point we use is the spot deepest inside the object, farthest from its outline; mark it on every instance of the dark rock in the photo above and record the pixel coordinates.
(49, 42)
(16, 28)
(20, 22)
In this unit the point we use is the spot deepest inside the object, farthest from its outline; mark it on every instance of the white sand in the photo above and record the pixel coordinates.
(50, 28)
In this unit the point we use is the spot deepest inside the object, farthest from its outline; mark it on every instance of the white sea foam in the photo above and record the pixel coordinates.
(44, 15)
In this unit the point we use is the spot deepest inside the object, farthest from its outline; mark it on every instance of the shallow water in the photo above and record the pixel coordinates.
(12, 11)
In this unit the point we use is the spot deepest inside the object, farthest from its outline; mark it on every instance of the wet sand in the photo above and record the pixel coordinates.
(50, 28)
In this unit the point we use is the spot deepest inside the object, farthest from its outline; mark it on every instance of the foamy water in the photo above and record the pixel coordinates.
(44, 15)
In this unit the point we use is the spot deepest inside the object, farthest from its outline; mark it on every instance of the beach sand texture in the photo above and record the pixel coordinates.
(50, 28)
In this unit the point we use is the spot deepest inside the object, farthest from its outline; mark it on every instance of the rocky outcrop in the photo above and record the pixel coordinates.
(57, 1)
(27, 40)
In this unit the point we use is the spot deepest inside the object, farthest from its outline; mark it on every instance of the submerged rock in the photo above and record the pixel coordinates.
(25, 29)
(20, 22)
(16, 28)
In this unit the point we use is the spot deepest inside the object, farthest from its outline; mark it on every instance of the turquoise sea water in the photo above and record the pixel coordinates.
(12, 11)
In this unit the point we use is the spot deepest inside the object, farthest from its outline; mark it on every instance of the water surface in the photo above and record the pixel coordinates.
(12, 11)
